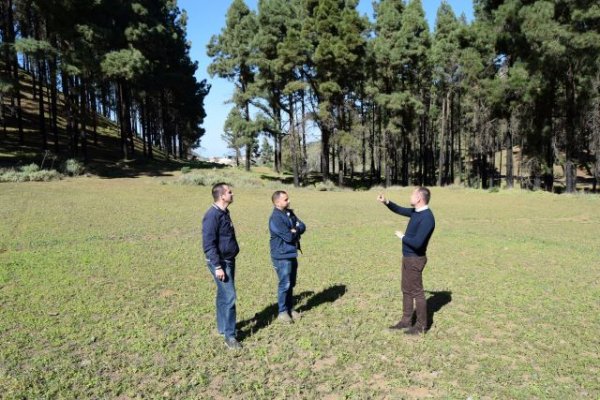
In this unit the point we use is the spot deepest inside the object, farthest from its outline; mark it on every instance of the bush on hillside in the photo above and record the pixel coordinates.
(73, 167)
(29, 173)
(28, 169)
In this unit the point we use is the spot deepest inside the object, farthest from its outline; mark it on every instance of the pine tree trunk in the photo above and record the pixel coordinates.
(340, 167)
(143, 125)
(66, 85)
(121, 117)
(10, 40)
(128, 128)
(94, 109)
(509, 157)
(304, 174)
(293, 142)
(83, 132)
(325, 135)
(442, 144)
(387, 145)
(570, 162)
(372, 141)
(150, 115)
(53, 102)
(41, 108)
(76, 115)
(461, 172)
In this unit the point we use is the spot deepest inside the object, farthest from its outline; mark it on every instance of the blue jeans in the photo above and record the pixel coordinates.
(287, 270)
(226, 297)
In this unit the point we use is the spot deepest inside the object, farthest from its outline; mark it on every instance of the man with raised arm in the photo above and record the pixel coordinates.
(414, 257)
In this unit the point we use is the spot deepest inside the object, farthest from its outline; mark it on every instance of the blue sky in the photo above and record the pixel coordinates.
(207, 18)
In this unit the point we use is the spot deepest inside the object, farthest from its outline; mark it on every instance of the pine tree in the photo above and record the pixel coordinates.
(232, 52)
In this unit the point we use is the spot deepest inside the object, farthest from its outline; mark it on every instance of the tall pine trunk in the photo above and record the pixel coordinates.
(54, 102)
(41, 108)
(10, 40)
(509, 155)
(570, 156)
(122, 118)
(83, 111)
(442, 144)
(293, 141)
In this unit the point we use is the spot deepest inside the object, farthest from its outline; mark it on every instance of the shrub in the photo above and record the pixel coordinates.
(44, 175)
(10, 175)
(29, 173)
(326, 186)
(73, 167)
(186, 170)
(192, 179)
(31, 168)
(234, 178)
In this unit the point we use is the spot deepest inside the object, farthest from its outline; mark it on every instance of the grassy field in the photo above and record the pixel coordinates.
(104, 294)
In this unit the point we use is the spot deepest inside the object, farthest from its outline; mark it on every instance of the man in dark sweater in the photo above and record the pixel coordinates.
(220, 248)
(414, 257)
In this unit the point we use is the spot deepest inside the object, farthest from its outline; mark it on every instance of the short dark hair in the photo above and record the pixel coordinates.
(218, 190)
(277, 195)
(425, 194)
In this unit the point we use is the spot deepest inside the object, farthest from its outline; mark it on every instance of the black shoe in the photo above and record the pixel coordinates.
(414, 330)
(232, 343)
(400, 325)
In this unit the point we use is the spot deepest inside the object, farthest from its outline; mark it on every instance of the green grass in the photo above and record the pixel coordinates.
(104, 294)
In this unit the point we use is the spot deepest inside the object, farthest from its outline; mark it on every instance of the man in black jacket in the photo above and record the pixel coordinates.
(285, 229)
(220, 248)
(414, 257)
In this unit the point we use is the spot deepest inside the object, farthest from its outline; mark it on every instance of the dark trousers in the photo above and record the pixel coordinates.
(413, 295)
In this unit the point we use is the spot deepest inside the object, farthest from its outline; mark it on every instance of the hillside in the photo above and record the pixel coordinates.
(104, 155)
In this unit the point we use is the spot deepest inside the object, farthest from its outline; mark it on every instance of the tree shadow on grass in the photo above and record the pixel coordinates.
(265, 317)
(435, 302)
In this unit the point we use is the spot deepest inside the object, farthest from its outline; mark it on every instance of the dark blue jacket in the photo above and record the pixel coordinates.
(418, 232)
(218, 236)
(285, 243)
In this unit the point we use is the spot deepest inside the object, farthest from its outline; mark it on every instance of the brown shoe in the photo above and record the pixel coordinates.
(401, 325)
(415, 330)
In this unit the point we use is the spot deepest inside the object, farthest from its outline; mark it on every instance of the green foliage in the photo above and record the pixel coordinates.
(186, 170)
(327, 186)
(124, 64)
(27, 169)
(266, 152)
(73, 167)
(232, 52)
(29, 173)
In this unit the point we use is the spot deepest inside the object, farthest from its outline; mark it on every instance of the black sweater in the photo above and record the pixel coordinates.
(218, 236)
(418, 232)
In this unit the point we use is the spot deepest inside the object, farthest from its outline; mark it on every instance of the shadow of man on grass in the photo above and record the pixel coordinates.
(264, 318)
(435, 302)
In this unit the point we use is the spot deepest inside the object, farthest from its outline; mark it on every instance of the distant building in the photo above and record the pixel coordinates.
(223, 160)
